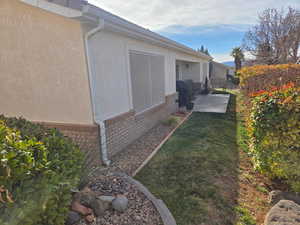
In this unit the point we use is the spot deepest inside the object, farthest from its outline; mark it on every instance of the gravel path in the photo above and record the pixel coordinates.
(141, 211)
(135, 154)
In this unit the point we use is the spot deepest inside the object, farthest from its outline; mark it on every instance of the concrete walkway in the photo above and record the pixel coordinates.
(216, 103)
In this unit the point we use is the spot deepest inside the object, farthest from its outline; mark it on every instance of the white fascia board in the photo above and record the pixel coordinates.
(54, 8)
(119, 24)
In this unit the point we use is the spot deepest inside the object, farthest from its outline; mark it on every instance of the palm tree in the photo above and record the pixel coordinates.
(238, 55)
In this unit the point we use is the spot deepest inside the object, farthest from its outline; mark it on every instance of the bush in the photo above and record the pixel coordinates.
(38, 168)
(172, 121)
(265, 77)
(235, 80)
(274, 130)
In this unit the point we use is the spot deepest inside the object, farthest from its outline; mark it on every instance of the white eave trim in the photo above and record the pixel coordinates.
(54, 8)
(118, 24)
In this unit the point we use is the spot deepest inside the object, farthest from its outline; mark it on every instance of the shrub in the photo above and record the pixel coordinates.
(172, 121)
(38, 168)
(235, 80)
(264, 77)
(274, 130)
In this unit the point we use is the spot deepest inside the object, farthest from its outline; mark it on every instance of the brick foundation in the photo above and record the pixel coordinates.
(120, 131)
(126, 128)
(87, 137)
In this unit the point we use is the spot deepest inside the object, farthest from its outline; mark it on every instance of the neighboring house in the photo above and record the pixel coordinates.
(100, 79)
(218, 74)
(231, 71)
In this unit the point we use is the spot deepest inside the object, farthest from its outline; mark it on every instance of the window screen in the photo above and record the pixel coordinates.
(148, 80)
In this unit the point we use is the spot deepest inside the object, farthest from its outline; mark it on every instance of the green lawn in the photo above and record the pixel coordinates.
(196, 172)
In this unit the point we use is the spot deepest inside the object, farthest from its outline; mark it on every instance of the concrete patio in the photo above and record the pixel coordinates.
(213, 103)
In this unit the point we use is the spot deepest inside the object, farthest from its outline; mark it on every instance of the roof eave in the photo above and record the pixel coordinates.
(117, 24)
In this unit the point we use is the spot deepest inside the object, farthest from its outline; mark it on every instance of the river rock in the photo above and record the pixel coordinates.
(120, 203)
(285, 212)
(73, 217)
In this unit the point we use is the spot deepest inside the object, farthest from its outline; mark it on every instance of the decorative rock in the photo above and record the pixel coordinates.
(285, 212)
(100, 207)
(120, 203)
(106, 198)
(73, 217)
(90, 218)
(276, 196)
(89, 199)
(83, 210)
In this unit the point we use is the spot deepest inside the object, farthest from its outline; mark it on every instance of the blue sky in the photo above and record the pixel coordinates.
(219, 25)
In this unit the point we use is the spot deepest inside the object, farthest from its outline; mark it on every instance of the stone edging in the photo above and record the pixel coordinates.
(162, 209)
(159, 146)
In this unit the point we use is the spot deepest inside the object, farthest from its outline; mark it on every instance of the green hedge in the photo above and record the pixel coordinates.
(274, 129)
(38, 168)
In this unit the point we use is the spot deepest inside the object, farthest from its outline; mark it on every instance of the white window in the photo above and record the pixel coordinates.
(148, 80)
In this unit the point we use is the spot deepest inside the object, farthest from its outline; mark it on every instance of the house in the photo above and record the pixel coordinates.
(100, 79)
(218, 74)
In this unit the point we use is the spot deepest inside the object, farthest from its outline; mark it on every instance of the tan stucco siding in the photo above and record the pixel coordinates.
(43, 74)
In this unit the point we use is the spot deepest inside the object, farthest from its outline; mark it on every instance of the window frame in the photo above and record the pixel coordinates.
(149, 54)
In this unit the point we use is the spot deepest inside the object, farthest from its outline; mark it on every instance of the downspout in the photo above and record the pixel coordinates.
(100, 123)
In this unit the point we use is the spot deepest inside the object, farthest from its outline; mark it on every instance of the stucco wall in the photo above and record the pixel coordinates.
(42, 66)
(190, 71)
(109, 52)
(218, 71)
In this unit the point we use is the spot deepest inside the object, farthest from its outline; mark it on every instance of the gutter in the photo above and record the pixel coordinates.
(100, 123)
(118, 24)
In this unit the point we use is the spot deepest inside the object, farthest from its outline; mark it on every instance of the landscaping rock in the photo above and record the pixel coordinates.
(120, 203)
(81, 209)
(89, 199)
(86, 198)
(140, 209)
(106, 198)
(73, 217)
(284, 213)
(276, 196)
(100, 207)
(90, 218)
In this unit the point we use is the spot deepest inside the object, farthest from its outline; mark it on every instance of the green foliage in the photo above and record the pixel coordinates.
(244, 216)
(172, 121)
(236, 80)
(38, 168)
(274, 130)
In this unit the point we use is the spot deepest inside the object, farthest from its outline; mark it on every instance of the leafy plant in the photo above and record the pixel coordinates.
(172, 121)
(244, 216)
(274, 130)
(265, 77)
(38, 168)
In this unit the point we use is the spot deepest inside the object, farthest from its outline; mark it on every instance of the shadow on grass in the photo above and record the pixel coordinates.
(196, 171)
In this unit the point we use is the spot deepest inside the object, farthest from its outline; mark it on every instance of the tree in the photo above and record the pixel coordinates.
(238, 55)
(276, 38)
(202, 48)
(206, 52)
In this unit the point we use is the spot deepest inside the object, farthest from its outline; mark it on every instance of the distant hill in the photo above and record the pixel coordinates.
(229, 63)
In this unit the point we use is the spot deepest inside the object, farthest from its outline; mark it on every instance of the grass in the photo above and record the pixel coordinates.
(204, 175)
